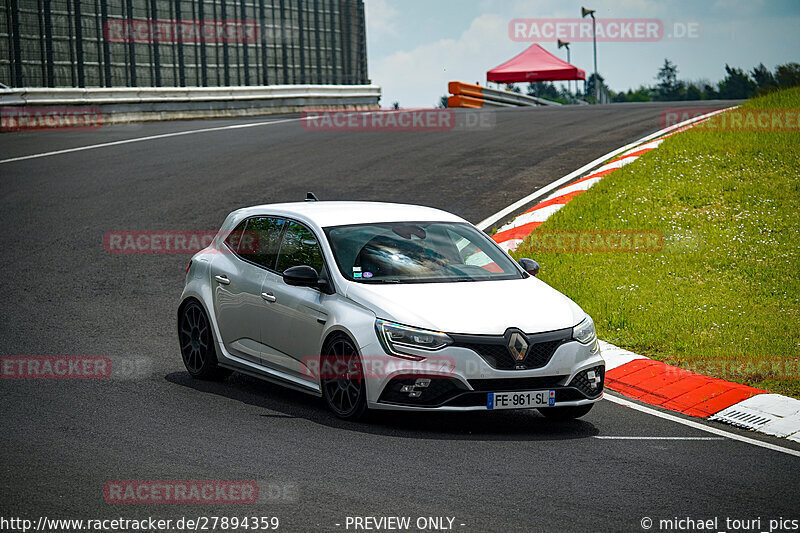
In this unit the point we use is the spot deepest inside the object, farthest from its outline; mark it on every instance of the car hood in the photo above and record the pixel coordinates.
(478, 307)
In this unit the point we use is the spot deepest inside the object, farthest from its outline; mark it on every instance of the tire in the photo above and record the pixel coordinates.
(197, 344)
(566, 413)
(342, 378)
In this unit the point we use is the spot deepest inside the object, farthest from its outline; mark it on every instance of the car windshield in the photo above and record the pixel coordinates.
(418, 252)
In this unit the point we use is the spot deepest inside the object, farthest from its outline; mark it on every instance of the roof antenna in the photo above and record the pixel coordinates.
(311, 197)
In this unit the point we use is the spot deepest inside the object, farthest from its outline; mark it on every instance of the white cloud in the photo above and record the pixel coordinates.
(380, 17)
(417, 78)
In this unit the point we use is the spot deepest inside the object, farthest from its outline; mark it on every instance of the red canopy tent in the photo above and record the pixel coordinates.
(535, 64)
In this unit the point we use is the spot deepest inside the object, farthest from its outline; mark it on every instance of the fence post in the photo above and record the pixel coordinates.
(131, 47)
(156, 53)
(181, 65)
(17, 76)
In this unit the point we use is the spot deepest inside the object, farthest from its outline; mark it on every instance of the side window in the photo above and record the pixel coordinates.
(299, 247)
(234, 238)
(261, 240)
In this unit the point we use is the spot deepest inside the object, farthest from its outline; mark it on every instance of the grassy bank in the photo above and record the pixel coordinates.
(722, 296)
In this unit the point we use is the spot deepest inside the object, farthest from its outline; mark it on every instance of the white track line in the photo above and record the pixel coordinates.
(540, 215)
(697, 425)
(148, 138)
(602, 437)
(162, 136)
(500, 215)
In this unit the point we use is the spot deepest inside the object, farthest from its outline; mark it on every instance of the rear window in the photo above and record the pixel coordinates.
(260, 240)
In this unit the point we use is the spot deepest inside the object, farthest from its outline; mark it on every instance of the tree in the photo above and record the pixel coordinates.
(543, 89)
(513, 88)
(693, 92)
(668, 87)
(788, 75)
(642, 94)
(590, 86)
(395, 105)
(736, 85)
(566, 93)
(710, 92)
(763, 77)
(442, 102)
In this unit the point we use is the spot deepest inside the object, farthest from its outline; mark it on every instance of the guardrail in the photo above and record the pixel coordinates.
(476, 96)
(133, 104)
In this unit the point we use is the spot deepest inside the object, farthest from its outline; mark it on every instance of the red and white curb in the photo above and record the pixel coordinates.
(634, 375)
(512, 234)
(701, 396)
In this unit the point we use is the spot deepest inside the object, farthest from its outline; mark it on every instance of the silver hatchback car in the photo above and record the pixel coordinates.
(384, 306)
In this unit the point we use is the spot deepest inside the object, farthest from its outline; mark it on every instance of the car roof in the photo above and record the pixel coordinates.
(326, 214)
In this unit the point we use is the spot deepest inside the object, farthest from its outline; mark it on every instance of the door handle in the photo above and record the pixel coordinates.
(223, 279)
(268, 296)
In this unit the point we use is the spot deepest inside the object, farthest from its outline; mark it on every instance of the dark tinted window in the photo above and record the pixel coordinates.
(261, 240)
(299, 247)
(424, 252)
(234, 237)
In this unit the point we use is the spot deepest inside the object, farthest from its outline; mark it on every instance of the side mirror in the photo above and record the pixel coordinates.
(529, 265)
(301, 276)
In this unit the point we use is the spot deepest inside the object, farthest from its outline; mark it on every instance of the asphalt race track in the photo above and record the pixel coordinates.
(63, 294)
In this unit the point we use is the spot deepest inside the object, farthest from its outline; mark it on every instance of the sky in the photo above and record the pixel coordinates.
(415, 47)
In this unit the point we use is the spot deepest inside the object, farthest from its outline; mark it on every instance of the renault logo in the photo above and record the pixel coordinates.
(518, 346)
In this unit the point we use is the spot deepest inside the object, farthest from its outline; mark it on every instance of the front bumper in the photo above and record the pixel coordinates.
(459, 378)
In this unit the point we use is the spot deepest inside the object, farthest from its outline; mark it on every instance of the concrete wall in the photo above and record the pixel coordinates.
(117, 105)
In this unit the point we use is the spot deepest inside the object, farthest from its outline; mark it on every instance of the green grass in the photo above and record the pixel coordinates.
(722, 296)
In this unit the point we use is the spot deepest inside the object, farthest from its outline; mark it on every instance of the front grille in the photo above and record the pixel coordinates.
(495, 354)
(516, 384)
(583, 383)
(494, 348)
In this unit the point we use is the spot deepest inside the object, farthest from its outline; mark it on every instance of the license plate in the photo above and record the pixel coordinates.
(521, 400)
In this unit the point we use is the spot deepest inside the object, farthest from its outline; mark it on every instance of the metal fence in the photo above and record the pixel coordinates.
(181, 43)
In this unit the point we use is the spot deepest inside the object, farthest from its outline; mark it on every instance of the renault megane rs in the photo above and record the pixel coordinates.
(384, 306)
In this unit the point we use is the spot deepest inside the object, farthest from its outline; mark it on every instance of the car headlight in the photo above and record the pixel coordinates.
(394, 337)
(584, 332)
